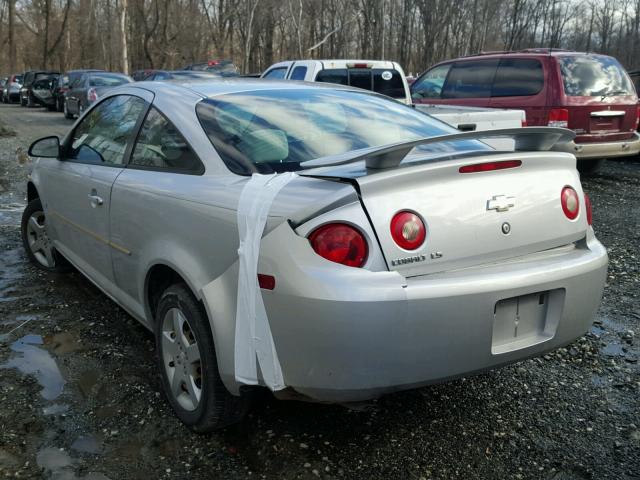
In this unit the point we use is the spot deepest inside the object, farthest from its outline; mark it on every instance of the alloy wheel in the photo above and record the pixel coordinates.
(181, 359)
(39, 241)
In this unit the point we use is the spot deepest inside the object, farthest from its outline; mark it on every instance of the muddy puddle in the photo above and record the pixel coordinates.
(31, 359)
(10, 213)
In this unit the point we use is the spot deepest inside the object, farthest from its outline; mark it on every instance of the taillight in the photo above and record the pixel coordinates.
(558, 117)
(340, 243)
(570, 203)
(587, 204)
(92, 95)
(408, 230)
(637, 118)
(489, 166)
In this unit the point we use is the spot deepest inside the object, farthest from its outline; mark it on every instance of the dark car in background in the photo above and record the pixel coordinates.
(26, 94)
(88, 88)
(224, 68)
(62, 86)
(42, 90)
(588, 93)
(11, 91)
(140, 75)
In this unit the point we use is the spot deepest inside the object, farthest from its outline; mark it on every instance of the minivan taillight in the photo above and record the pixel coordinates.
(92, 95)
(637, 118)
(570, 202)
(558, 117)
(340, 243)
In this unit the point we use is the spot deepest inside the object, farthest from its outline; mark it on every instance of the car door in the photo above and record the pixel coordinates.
(73, 95)
(78, 186)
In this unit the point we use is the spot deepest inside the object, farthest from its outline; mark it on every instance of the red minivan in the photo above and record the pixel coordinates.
(589, 93)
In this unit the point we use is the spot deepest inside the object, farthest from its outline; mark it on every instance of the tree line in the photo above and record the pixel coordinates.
(127, 35)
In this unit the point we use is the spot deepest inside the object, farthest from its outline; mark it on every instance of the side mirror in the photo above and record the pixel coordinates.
(47, 147)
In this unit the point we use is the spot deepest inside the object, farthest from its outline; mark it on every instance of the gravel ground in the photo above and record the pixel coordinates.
(80, 397)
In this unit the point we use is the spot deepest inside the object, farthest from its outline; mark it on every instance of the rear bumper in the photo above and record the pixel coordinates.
(359, 344)
(620, 148)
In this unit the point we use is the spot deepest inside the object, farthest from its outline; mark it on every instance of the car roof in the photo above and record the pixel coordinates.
(206, 87)
(340, 63)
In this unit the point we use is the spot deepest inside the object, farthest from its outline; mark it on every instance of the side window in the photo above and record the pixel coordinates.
(518, 77)
(333, 75)
(298, 73)
(102, 136)
(77, 81)
(470, 79)
(160, 146)
(431, 83)
(276, 73)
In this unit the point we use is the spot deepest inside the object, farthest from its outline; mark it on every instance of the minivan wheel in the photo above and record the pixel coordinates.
(36, 241)
(589, 167)
(187, 360)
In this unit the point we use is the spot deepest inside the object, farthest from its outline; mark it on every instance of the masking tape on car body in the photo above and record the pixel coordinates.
(253, 339)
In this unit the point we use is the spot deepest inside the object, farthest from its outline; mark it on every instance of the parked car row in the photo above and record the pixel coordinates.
(588, 93)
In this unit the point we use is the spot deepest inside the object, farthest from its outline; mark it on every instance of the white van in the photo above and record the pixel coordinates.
(386, 78)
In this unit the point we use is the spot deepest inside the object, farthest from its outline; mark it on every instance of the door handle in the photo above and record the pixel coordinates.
(95, 199)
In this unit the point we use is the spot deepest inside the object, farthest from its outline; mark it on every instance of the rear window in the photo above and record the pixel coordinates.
(380, 80)
(594, 76)
(518, 77)
(275, 130)
(107, 80)
(470, 79)
(298, 73)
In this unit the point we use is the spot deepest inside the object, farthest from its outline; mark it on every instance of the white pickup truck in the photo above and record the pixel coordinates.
(468, 119)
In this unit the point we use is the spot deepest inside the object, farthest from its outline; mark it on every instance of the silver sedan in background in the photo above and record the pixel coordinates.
(323, 241)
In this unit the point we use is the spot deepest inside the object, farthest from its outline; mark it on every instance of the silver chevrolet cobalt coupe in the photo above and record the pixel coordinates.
(324, 242)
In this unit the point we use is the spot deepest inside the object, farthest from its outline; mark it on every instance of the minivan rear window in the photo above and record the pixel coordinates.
(380, 80)
(594, 76)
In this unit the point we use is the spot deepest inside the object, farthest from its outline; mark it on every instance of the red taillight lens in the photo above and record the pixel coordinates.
(340, 243)
(489, 166)
(558, 117)
(92, 95)
(570, 203)
(638, 118)
(268, 282)
(587, 204)
(408, 230)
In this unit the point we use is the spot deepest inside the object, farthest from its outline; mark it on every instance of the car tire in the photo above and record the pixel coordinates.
(30, 102)
(59, 105)
(191, 381)
(36, 242)
(22, 102)
(51, 108)
(65, 109)
(589, 167)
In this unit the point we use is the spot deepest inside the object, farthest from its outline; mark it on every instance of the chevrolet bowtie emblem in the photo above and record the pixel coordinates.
(501, 203)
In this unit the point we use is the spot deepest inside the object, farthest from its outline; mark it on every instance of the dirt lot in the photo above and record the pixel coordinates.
(80, 397)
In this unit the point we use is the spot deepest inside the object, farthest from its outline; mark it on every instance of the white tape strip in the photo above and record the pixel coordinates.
(253, 342)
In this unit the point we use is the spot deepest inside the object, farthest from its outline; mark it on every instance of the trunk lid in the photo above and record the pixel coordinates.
(464, 228)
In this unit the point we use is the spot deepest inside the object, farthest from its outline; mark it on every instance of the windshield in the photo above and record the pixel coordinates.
(275, 130)
(107, 80)
(594, 76)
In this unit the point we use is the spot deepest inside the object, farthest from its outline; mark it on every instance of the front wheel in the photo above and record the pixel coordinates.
(36, 241)
(186, 356)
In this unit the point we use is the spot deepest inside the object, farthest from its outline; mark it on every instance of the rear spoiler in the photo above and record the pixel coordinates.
(390, 156)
